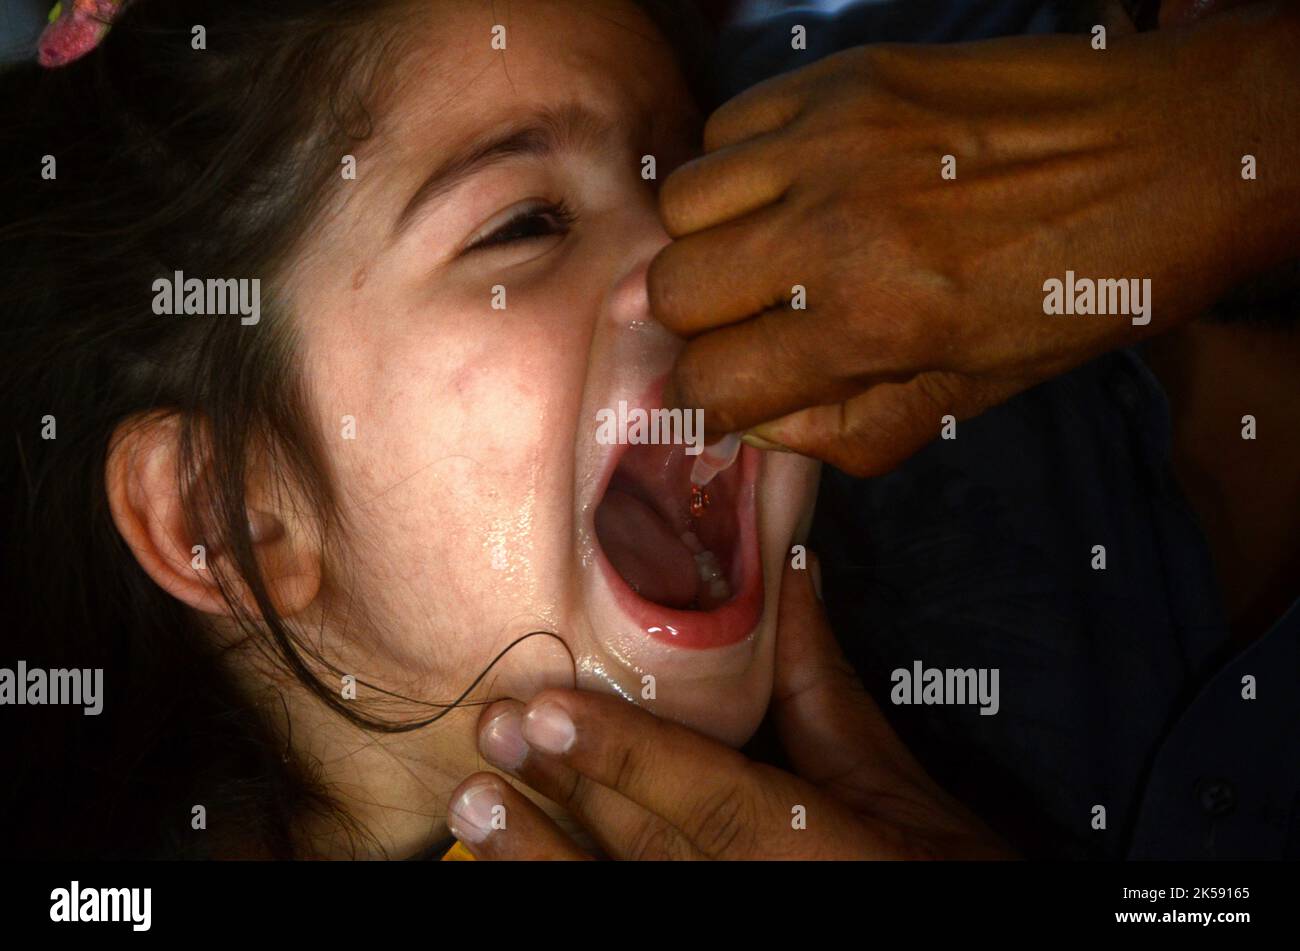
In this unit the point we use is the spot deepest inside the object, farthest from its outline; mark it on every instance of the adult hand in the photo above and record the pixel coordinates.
(645, 788)
(925, 295)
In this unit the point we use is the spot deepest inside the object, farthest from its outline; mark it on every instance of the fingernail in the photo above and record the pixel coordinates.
(815, 569)
(549, 729)
(758, 442)
(470, 816)
(502, 741)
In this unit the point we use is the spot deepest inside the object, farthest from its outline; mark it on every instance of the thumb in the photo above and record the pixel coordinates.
(882, 427)
(831, 729)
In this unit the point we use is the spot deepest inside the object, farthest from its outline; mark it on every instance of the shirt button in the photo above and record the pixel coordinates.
(1217, 796)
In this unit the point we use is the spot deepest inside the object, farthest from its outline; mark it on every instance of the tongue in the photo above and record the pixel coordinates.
(643, 549)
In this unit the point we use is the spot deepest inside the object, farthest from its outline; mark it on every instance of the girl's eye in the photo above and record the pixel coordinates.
(538, 221)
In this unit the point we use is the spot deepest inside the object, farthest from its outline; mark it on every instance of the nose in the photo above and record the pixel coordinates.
(629, 300)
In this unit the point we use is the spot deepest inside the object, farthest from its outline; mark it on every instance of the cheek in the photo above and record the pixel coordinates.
(457, 488)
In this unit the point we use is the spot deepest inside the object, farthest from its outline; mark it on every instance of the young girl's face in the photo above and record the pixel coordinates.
(475, 297)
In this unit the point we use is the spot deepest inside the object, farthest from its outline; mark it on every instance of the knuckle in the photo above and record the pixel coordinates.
(878, 442)
(714, 134)
(942, 391)
(753, 106)
(967, 139)
(690, 381)
(870, 315)
(575, 792)
(885, 64)
(624, 767)
(722, 823)
(831, 221)
(722, 419)
(790, 347)
(664, 280)
(680, 194)
(904, 337)
(656, 841)
(717, 128)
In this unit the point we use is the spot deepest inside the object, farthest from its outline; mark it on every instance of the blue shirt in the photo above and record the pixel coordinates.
(1118, 687)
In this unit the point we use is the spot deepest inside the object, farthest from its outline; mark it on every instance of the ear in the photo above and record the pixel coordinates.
(142, 479)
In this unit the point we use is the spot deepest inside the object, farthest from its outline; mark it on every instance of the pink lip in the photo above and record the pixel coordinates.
(700, 630)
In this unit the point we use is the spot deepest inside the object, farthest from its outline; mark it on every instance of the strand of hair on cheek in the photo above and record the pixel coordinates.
(461, 701)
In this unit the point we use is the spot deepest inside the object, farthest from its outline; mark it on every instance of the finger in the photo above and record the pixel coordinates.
(881, 428)
(707, 791)
(623, 829)
(833, 732)
(722, 275)
(762, 108)
(723, 185)
(497, 822)
(838, 738)
(867, 435)
(763, 369)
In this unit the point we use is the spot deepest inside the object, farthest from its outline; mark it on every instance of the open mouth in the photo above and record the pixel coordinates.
(684, 560)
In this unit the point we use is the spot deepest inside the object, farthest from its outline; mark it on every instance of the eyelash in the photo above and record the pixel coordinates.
(562, 219)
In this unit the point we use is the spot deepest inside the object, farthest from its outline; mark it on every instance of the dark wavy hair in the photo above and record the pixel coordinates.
(213, 163)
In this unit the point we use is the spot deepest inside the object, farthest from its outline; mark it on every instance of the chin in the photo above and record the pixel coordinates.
(681, 605)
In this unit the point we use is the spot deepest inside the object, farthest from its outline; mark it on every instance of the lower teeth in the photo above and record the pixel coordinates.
(716, 587)
(706, 562)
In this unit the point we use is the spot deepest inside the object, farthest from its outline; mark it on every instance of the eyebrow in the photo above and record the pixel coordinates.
(549, 131)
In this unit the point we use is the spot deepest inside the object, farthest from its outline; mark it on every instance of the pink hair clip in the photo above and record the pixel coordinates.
(75, 28)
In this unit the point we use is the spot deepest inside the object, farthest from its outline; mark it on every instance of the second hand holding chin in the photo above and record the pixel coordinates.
(647, 788)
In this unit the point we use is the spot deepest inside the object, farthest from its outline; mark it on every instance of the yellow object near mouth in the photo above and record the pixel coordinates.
(458, 853)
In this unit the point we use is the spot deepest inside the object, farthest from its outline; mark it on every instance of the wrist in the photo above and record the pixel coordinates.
(1248, 73)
